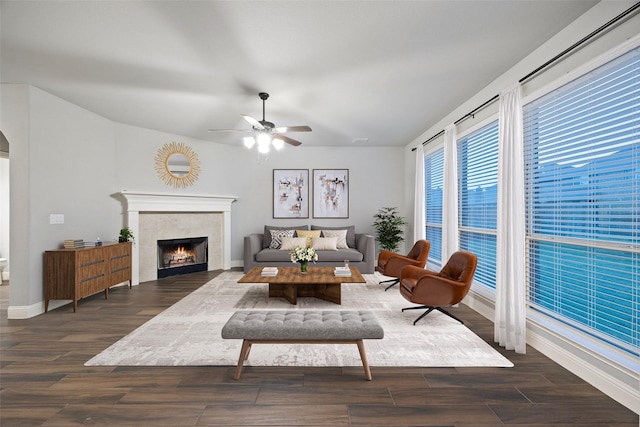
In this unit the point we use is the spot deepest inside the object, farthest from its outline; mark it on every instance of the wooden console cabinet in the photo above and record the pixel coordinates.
(76, 273)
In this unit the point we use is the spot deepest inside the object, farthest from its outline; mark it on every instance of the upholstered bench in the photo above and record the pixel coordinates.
(302, 327)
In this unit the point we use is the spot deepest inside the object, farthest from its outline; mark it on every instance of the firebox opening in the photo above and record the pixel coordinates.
(182, 256)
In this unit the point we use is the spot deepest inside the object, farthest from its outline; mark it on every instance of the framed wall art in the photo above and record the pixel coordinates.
(291, 193)
(331, 193)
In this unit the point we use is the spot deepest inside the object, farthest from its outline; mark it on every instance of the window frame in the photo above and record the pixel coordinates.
(480, 126)
(580, 333)
(431, 261)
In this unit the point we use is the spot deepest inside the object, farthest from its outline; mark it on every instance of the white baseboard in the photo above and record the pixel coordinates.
(578, 361)
(25, 311)
(614, 379)
(28, 311)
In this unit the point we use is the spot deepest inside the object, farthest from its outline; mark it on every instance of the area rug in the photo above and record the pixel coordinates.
(188, 333)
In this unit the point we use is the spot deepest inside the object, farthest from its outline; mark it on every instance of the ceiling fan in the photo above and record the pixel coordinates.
(265, 133)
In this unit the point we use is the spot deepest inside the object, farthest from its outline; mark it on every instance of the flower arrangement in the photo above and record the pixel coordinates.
(303, 255)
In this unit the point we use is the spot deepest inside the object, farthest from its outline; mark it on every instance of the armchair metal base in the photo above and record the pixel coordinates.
(429, 310)
(394, 282)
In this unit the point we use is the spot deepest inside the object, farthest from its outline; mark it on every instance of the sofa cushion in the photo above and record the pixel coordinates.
(266, 236)
(324, 243)
(351, 232)
(273, 255)
(308, 234)
(277, 236)
(290, 243)
(276, 255)
(341, 235)
(353, 255)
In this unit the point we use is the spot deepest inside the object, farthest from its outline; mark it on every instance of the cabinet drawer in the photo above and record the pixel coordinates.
(92, 270)
(119, 263)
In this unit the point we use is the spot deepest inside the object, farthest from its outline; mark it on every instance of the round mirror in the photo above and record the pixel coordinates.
(177, 165)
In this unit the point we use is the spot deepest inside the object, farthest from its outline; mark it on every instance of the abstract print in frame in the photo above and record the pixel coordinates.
(331, 193)
(291, 193)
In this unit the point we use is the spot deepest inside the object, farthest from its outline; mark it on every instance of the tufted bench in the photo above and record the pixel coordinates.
(302, 327)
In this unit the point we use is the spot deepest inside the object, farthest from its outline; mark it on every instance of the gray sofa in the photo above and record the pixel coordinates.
(360, 253)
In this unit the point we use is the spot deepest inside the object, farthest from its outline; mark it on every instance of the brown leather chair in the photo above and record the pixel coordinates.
(391, 264)
(434, 290)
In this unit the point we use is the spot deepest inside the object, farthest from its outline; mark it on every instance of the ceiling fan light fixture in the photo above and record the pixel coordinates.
(264, 149)
(249, 141)
(264, 131)
(264, 139)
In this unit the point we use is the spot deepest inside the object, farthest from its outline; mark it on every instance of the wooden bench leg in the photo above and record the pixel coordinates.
(365, 363)
(244, 354)
(246, 348)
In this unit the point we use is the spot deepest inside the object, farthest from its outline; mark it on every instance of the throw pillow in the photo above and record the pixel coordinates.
(266, 238)
(341, 235)
(324, 243)
(351, 232)
(290, 243)
(309, 234)
(276, 237)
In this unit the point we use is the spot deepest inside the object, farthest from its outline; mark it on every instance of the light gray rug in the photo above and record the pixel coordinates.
(188, 333)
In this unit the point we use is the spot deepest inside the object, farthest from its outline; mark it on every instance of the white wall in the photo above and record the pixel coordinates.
(62, 161)
(4, 215)
(374, 175)
(67, 160)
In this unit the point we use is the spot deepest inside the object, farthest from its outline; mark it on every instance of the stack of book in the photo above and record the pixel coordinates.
(270, 271)
(73, 243)
(342, 271)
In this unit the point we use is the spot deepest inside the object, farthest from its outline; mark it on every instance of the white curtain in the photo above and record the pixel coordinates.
(419, 218)
(450, 195)
(510, 316)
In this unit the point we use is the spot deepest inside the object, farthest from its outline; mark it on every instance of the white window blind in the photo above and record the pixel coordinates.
(433, 182)
(478, 196)
(582, 149)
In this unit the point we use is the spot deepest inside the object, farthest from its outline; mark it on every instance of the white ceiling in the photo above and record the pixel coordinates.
(382, 70)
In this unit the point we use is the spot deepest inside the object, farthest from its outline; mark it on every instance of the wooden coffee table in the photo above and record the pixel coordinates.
(319, 282)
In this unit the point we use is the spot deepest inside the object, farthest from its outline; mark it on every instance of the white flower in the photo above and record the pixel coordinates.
(303, 254)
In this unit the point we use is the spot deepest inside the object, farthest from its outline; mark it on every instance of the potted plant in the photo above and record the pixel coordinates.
(126, 235)
(389, 227)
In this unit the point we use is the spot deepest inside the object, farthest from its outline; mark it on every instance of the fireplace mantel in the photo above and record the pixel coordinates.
(136, 202)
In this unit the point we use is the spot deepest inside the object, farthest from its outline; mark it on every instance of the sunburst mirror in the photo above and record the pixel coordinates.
(177, 165)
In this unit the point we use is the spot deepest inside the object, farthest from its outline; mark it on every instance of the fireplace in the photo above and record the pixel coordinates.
(158, 206)
(182, 256)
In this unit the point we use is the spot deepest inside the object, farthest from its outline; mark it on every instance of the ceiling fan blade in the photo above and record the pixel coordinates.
(287, 140)
(253, 122)
(228, 130)
(285, 129)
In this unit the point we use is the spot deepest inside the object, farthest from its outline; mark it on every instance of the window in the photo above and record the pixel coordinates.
(433, 181)
(582, 173)
(478, 199)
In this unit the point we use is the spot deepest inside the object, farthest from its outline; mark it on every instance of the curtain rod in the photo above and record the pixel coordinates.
(543, 66)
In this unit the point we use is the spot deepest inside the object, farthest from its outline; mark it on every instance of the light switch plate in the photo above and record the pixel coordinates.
(56, 219)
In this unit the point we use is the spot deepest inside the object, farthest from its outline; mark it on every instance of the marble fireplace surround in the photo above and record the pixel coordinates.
(139, 202)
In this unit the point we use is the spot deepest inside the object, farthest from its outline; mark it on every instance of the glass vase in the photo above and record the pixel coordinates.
(303, 267)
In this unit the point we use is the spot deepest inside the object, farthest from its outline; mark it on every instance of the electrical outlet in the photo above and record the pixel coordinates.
(56, 219)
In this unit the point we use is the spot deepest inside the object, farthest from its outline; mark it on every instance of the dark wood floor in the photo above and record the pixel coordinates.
(44, 381)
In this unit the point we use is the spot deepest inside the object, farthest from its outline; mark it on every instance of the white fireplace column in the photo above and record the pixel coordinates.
(136, 202)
